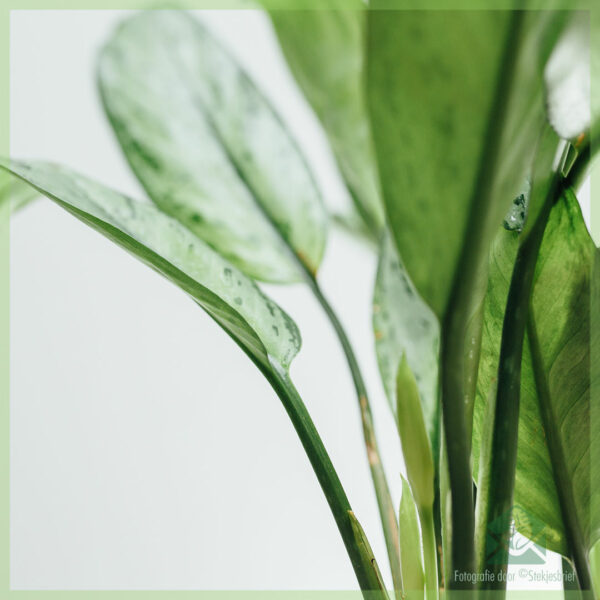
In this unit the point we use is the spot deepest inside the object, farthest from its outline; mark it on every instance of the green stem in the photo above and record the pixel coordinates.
(560, 471)
(503, 456)
(387, 512)
(570, 586)
(465, 292)
(362, 559)
(429, 553)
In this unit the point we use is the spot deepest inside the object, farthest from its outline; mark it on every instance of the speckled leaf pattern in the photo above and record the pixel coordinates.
(405, 326)
(208, 147)
(561, 309)
(259, 326)
(325, 51)
(436, 121)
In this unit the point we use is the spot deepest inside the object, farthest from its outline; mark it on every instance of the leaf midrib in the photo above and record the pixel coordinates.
(562, 481)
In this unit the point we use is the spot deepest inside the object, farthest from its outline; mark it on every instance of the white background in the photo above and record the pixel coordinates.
(146, 451)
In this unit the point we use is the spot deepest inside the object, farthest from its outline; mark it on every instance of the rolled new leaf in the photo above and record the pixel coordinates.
(208, 147)
(410, 544)
(418, 460)
(416, 449)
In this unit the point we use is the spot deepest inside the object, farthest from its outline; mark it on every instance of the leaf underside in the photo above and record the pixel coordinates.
(561, 310)
(254, 321)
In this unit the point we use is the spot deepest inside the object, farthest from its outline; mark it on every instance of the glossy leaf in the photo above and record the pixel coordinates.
(208, 147)
(453, 126)
(405, 326)
(413, 577)
(561, 314)
(325, 51)
(255, 322)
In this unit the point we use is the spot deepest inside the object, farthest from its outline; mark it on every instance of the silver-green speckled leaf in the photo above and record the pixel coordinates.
(255, 322)
(209, 148)
(405, 325)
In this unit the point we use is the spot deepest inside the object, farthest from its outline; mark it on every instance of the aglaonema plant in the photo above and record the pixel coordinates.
(463, 138)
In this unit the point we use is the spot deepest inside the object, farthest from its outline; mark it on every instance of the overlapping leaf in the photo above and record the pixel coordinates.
(208, 147)
(561, 312)
(325, 51)
(405, 326)
(456, 103)
(255, 322)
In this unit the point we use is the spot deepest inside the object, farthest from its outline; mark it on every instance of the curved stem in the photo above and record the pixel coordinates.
(466, 290)
(387, 512)
(358, 550)
(503, 456)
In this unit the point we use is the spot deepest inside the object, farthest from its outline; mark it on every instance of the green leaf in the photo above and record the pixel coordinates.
(418, 459)
(266, 333)
(255, 322)
(559, 360)
(405, 326)
(595, 563)
(208, 147)
(413, 435)
(453, 124)
(325, 51)
(413, 577)
(16, 193)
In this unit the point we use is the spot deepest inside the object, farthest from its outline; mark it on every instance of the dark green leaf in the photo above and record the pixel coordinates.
(454, 124)
(208, 147)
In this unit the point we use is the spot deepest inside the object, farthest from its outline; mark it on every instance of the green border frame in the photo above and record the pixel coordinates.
(6, 6)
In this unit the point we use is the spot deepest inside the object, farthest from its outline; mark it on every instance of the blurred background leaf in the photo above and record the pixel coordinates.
(209, 148)
(324, 49)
